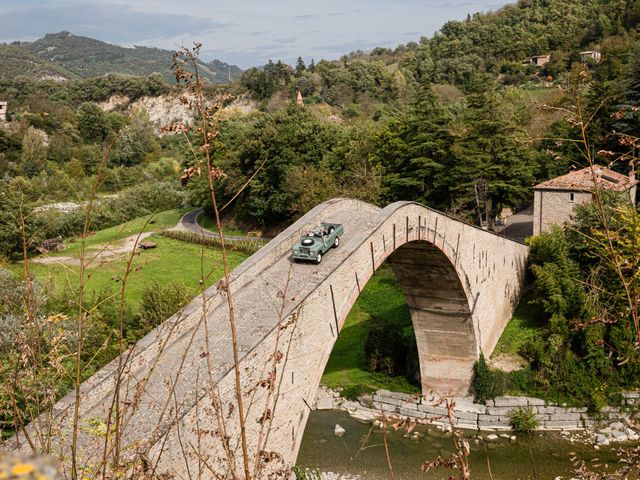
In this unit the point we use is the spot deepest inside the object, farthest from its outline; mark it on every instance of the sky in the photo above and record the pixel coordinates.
(242, 32)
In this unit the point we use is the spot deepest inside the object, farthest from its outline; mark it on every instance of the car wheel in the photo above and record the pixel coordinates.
(318, 258)
(336, 242)
(331, 230)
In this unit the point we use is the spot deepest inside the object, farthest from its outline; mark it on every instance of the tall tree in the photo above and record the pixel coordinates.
(300, 67)
(496, 156)
(417, 150)
(34, 152)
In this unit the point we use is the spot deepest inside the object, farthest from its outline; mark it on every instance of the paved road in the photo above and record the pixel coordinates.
(189, 223)
(520, 225)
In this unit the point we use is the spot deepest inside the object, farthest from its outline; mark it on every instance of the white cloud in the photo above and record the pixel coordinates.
(246, 32)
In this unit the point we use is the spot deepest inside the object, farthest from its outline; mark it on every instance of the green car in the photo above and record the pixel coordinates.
(317, 242)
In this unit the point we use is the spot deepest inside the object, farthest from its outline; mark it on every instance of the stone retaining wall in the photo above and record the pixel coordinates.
(496, 414)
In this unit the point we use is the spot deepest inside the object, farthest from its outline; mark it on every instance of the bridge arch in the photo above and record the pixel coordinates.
(461, 283)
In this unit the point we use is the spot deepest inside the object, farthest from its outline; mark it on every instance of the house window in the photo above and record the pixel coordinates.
(571, 197)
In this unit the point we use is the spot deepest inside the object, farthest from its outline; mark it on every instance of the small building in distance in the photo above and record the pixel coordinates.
(3, 111)
(538, 60)
(555, 199)
(590, 56)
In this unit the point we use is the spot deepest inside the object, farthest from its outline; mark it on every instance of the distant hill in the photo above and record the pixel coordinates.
(82, 57)
(17, 61)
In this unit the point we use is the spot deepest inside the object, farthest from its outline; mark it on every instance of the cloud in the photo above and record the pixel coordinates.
(244, 32)
(116, 25)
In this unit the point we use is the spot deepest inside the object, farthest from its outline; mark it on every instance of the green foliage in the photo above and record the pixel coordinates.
(557, 275)
(300, 161)
(487, 383)
(386, 348)
(417, 152)
(34, 152)
(497, 159)
(482, 42)
(347, 366)
(144, 199)
(523, 420)
(137, 142)
(93, 123)
(17, 61)
(585, 350)
(245, 246)
(11, 237)
(159, 302)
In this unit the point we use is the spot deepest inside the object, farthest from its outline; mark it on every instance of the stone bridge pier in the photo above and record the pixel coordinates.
(178, 390)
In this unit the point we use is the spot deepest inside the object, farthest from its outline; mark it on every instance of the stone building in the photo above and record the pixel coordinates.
(3, 111)
(538, 60)
(555, 199)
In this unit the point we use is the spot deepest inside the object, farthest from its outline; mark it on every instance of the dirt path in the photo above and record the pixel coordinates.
(97, 253)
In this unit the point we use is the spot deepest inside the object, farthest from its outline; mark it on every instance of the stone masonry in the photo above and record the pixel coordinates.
(496, 413)
(178, 383)
(555, 208)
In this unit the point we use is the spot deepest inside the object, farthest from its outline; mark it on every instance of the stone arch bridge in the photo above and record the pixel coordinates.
(461, 283)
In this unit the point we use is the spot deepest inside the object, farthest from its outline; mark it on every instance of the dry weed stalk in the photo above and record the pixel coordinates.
(252, 464)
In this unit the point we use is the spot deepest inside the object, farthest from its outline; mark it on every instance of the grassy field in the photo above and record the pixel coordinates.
(152, 223)
(382, 298)
(171, 261)
(525, 325)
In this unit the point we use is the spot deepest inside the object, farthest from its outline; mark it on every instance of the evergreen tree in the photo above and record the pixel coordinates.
(417, 150)
(300, 67)
(495, 153)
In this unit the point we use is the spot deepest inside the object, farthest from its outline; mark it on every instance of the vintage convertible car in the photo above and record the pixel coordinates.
(317, 242)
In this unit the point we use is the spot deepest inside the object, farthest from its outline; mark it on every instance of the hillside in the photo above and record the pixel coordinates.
(529, 27)
(85, 58)
(17, 61)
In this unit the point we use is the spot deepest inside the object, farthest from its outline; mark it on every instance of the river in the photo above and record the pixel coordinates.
(542, 456)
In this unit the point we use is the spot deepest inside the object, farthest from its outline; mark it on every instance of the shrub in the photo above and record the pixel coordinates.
(385, 348)
(523, 420)
(246, 246)
(352, 392)
(159, 302)
(487, 383)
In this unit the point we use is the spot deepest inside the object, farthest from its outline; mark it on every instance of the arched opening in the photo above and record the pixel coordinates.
(377, 346)
(409, 330)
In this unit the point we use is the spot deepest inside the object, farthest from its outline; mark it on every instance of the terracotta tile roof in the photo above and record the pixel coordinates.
(582, 181)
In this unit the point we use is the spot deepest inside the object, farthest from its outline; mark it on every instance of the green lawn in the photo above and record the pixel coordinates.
(150, 223)
(382, 298)
(171, 261)
(525, 325)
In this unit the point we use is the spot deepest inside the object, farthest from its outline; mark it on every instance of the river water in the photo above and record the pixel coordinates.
(541, 456)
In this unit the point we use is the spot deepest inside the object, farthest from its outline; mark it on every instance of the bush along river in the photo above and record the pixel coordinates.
(348, 444)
